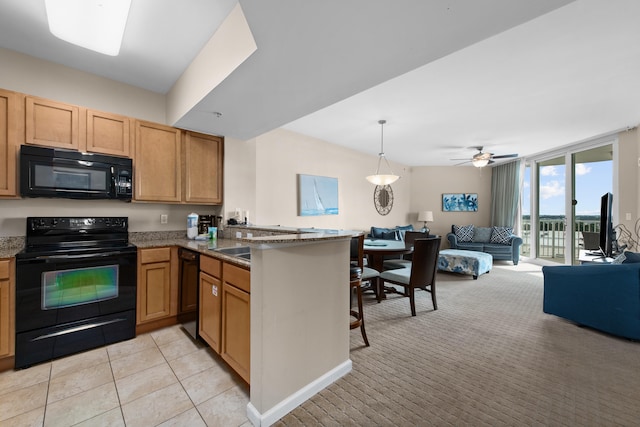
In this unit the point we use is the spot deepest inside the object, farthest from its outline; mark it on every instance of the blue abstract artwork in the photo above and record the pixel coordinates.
(460, 202)
(317, 195)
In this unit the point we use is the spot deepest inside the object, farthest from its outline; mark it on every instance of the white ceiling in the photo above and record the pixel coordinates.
(515, 76)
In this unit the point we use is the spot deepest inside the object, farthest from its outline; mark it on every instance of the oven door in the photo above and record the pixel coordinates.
(64, 288)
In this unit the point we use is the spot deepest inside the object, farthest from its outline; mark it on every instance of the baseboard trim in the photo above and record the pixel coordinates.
(296, 399)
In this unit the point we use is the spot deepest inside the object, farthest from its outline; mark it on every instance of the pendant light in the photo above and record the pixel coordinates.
(378, 178)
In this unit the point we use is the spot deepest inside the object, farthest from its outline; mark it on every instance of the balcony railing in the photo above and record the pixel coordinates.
(552, 234)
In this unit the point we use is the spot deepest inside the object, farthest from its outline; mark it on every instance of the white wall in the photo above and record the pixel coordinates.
(26, 74)
(282, 154)
(428, 183)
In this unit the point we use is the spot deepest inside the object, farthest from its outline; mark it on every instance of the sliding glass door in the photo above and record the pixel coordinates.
(560, 203)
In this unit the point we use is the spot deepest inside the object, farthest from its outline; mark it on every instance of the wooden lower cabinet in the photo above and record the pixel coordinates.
(210, 306)
(236, 319)
(210, 288)
(157, 289)
(7, 307)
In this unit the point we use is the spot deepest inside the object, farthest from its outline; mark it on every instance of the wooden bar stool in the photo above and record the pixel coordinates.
(355, 281)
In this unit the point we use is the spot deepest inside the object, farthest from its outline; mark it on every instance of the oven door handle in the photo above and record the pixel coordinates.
(82, 256)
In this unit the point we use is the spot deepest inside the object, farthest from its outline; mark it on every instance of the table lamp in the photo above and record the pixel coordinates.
(425, 216)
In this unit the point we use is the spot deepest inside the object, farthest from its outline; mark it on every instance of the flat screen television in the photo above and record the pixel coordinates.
(606, 225)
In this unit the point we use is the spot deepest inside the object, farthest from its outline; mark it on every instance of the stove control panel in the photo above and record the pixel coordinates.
(71, 224)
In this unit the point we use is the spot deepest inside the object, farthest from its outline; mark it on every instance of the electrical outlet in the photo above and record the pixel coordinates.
(628, 216)
(164, 218)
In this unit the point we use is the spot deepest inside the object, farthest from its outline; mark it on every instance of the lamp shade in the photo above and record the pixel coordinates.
(382, 179)
(425, 216)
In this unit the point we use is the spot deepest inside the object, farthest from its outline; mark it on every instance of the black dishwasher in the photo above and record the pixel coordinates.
(188, 297)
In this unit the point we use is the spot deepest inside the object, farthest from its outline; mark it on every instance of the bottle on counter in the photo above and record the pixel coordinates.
(192, 225)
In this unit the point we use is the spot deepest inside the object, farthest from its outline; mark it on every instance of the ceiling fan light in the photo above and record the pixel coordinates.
(96, 25)
(382, 179)
(480, 162)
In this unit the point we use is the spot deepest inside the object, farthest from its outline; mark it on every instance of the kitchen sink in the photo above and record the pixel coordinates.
(238, 250)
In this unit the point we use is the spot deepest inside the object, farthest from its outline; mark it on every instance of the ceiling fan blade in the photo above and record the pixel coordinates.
(504, 156)
(458, 164)
(467, 159)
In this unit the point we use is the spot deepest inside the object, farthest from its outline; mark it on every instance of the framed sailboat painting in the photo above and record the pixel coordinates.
(317, 195)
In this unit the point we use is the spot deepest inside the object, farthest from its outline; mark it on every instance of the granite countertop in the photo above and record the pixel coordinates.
(261, 236)
(205, 247)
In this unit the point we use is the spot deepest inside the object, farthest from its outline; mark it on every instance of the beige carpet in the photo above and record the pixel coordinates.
(488, 356)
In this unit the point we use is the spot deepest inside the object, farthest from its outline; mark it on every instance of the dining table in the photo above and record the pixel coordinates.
(377, 249)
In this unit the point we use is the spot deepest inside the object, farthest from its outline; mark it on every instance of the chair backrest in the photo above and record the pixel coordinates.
(409, 238)
(425, 262)
(357, 250)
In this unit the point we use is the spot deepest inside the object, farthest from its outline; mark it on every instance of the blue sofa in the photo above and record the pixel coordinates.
(481, 241)
(605, 297)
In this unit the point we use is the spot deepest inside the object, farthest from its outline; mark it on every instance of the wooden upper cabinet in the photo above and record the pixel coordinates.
(9, 130)
(52, 124)
(108, 133)
(157, 163)
(203, 168)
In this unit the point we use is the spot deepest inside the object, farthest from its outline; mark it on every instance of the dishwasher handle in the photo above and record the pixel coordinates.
(188, 255)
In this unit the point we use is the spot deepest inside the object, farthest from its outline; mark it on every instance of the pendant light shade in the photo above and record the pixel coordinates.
(381, 178)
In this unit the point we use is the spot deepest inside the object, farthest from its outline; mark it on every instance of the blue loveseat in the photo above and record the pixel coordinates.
(506, 246)
(605, 297)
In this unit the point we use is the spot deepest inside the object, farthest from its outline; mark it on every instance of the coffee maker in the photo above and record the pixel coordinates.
(206, 221)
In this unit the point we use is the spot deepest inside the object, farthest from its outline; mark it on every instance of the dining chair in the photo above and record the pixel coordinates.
(421, 274)
(405, 260)
(369, 275)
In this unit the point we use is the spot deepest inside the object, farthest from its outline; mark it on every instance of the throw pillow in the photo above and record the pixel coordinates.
(631, 257)
(463, 233)
(619, 259)
(389, 235)
(482, 234)
(501, 235)
(376, 232)
(401, 229)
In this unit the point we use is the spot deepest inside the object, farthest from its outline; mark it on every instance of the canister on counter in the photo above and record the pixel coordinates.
(213, 233)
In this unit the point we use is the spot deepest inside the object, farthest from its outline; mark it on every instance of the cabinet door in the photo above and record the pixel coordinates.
(9, 126)
(154, 284)
(51, 123)
(108, 133)
(7, 306)
(154, 291)
(209, 314)
(157, 163)
(203, 156)
(236, 319)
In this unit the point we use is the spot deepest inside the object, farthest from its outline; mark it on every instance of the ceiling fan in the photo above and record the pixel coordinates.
(481, 159)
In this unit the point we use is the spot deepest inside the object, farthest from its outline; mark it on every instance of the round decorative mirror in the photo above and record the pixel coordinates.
(383, 199)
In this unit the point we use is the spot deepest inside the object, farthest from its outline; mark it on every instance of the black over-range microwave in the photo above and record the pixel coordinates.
(50, 172)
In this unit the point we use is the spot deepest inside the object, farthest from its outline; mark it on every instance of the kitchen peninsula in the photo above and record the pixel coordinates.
(299, 311)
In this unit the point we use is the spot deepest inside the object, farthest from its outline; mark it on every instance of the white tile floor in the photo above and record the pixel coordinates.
(160, 378)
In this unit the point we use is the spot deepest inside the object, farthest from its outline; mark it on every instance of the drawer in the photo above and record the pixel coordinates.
(211, 266)
(155, 255)
(236, 276)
